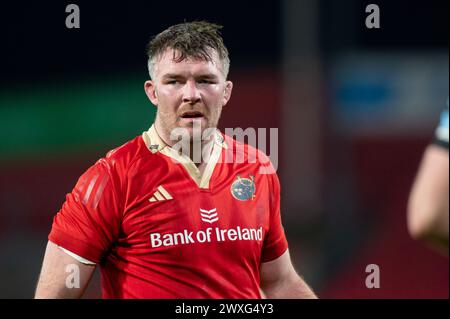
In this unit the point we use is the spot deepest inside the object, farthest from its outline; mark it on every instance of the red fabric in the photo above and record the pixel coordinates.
(109, 219)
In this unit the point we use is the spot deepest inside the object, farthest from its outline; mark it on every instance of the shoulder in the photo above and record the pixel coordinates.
(121, 158)
(128, 151)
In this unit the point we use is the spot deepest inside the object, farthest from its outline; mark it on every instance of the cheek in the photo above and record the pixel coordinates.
(214, 96)
(167, 101)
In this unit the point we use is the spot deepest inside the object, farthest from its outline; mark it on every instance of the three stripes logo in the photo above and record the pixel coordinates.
(160, 195)
(89, 189)
(209, 216)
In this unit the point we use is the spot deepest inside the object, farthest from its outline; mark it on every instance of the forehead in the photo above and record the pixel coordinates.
(165, 64)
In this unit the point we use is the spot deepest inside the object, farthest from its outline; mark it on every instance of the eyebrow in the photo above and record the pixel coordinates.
(177, 76)
(171, 76)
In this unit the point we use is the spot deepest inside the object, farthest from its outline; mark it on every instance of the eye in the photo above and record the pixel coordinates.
(205, 81)
(172, 82)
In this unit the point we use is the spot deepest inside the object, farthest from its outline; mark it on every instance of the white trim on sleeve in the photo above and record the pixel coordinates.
(78, 258)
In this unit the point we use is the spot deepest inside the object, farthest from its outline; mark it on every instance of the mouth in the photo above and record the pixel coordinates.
(192, 115)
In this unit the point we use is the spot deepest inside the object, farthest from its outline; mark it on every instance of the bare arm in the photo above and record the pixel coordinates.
(279, 280)
(428, 203)
(62, 276)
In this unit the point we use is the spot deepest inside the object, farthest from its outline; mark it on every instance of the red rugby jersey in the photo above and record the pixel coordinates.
(160, 230)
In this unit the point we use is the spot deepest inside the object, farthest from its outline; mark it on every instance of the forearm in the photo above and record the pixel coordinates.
(434, 230)
(428, 202)
(437, 235)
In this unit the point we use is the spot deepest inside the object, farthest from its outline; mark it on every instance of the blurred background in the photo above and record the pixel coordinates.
(355, 108)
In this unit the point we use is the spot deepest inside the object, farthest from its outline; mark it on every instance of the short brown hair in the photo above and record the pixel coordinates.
(191, 40)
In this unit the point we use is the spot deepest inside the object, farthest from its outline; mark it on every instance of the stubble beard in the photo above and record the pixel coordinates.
(194, 140)
(167, 126)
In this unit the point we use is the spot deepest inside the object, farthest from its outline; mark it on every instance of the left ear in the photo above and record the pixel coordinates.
(227, 92)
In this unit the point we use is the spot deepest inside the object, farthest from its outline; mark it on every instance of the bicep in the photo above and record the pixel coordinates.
(275, 270)
(62, 276)
(280, 280)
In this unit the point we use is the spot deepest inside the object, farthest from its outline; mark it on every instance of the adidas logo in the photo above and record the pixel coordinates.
(160, 195)
(209, 216)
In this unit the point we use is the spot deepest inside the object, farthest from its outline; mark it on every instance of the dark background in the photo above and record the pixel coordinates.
(67, 96)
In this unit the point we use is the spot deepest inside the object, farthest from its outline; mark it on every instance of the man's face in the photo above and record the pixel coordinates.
(188, 91)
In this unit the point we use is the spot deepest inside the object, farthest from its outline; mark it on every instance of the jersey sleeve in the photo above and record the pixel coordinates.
(441, 133)
(89, 220)
(275, 243)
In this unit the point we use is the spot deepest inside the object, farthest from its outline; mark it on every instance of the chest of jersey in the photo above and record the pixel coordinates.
(166, 211)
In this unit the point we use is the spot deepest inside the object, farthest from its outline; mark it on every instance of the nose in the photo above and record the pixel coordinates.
(191, 94)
